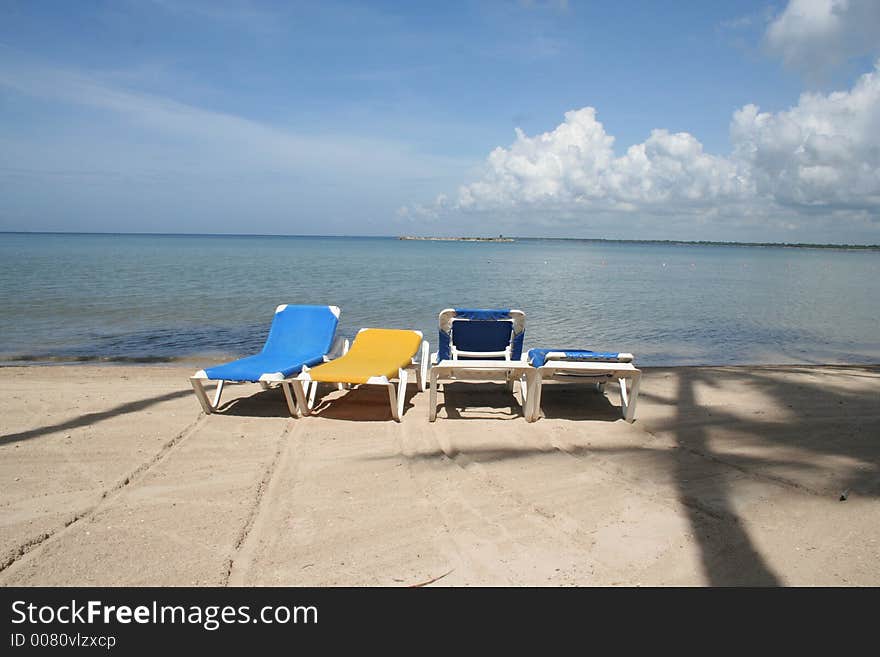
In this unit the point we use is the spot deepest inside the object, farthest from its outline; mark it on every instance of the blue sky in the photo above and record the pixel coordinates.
(379, 118)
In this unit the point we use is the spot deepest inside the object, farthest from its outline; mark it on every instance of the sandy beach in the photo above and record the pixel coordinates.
(729, 476)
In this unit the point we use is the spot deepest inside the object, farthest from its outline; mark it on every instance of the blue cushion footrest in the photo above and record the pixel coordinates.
(538, 357)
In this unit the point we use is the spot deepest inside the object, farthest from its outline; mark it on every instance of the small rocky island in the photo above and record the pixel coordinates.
(500, 238)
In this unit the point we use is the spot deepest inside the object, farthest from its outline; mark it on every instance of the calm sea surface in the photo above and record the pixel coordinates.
(153, 298)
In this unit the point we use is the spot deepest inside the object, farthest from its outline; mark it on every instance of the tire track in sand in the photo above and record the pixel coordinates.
(22, 550)
(532, 491)
(246, 543)
(494, 533)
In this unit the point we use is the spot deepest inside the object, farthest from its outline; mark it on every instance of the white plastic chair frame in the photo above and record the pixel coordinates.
(478, 370)
(597, 372)
(304, 389)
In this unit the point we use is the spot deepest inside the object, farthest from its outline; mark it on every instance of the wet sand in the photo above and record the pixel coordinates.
(729, 476)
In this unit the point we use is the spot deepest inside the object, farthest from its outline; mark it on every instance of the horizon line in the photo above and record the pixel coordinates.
(825, 245)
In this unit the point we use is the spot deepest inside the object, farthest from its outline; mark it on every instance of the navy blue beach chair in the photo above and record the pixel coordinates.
(476, 342)
(481, 333)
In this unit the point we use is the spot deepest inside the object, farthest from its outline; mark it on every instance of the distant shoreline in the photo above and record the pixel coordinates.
(782, 245)
(597, 240)
(456, 239)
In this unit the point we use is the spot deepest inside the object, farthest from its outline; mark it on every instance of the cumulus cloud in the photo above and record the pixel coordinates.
(822, 154)
(575, 163)
(815, 36)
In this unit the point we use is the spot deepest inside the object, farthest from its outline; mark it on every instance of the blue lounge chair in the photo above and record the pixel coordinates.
(300, 335)
(584, 366)
(480, 344)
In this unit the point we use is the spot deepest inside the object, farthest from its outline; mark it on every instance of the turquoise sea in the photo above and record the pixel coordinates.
(151, 298)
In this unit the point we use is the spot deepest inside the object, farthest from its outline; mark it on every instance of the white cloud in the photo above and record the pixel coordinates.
(823, 152)
(816, 36)
(575, 164)
(821, 155)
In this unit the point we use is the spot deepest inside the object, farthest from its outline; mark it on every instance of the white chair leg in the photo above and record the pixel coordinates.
(534, 403)
(432, 397)
(630, 411)
(312, 390)
(288, 395)
(301, 400)
(423, 366)
(217, 395)
(524, 389)
(398, 399)
(392, 397)
(401, 392)
(624, 398)
(201, 395)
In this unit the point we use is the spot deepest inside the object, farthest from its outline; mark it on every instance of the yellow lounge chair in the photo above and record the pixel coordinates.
(377, 357)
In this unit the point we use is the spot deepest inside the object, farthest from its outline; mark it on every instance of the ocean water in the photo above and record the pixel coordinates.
(146, 298)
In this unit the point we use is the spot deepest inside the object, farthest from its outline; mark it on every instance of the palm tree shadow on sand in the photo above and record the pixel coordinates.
(785, 449)
(728, 553)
